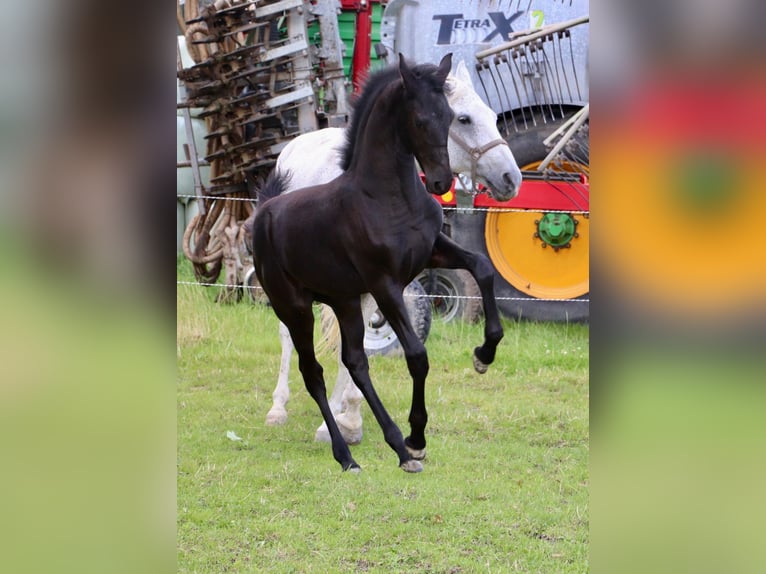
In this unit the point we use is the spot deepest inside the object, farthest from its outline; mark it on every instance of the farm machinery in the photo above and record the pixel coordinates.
(262, 72)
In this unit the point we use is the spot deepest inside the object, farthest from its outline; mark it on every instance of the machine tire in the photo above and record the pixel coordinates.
(444, 286)
(379, 336)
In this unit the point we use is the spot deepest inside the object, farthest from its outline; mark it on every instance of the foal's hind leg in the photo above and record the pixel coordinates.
(352, 351)
(448, 254)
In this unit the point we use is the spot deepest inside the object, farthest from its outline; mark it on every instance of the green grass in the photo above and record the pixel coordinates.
(505, 485)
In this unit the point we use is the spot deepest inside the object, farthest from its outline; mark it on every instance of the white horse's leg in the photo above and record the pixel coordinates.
(350, 420)
(278, 414)
(345, 402)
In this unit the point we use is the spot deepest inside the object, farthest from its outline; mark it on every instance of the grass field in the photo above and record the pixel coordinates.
(505, 485)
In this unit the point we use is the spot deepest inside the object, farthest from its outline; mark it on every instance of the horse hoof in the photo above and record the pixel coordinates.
(480, 367)
(351, 436)
(417, 453)
(352, 433)
(354, 469)
(411, 466)
(276, 416)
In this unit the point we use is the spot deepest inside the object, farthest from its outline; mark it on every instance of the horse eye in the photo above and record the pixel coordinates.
(463, 119)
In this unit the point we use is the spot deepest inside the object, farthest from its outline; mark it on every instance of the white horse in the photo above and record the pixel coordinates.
(475, 147)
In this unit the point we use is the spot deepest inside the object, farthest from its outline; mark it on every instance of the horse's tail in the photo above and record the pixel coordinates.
(330, 338)
(329, 342)
(274, 185)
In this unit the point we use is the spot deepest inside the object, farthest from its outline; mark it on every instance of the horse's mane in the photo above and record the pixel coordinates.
(362, 106)
(274, 185)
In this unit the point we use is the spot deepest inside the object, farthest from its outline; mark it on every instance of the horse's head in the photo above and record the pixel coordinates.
(475, 144)
(427, 120)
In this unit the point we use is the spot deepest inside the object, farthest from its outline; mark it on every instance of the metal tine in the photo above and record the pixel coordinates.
(568, 34)
(555, 71)
(548, 70)
(516, 54)
(526, 54)
(480, 66)
(502, 82)
(518, 4)
(577, 199)
(546, 97)
(497, 90)
(504, 58)
(560, 35)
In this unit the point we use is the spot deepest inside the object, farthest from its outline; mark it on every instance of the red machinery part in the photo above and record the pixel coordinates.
(544, 195)
(360, 62)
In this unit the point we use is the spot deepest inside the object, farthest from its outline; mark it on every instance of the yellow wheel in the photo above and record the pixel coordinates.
(545, 255)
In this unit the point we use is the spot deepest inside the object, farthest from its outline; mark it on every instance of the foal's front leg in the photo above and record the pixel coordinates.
(448, 254)
(354, 357)
(391, 303)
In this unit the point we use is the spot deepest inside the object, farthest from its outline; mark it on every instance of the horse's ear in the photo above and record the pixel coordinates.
(408, 78)
(462, 74)
(444, 67)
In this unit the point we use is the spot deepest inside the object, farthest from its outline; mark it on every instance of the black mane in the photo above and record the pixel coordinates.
(274, 185)
(376, 82)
